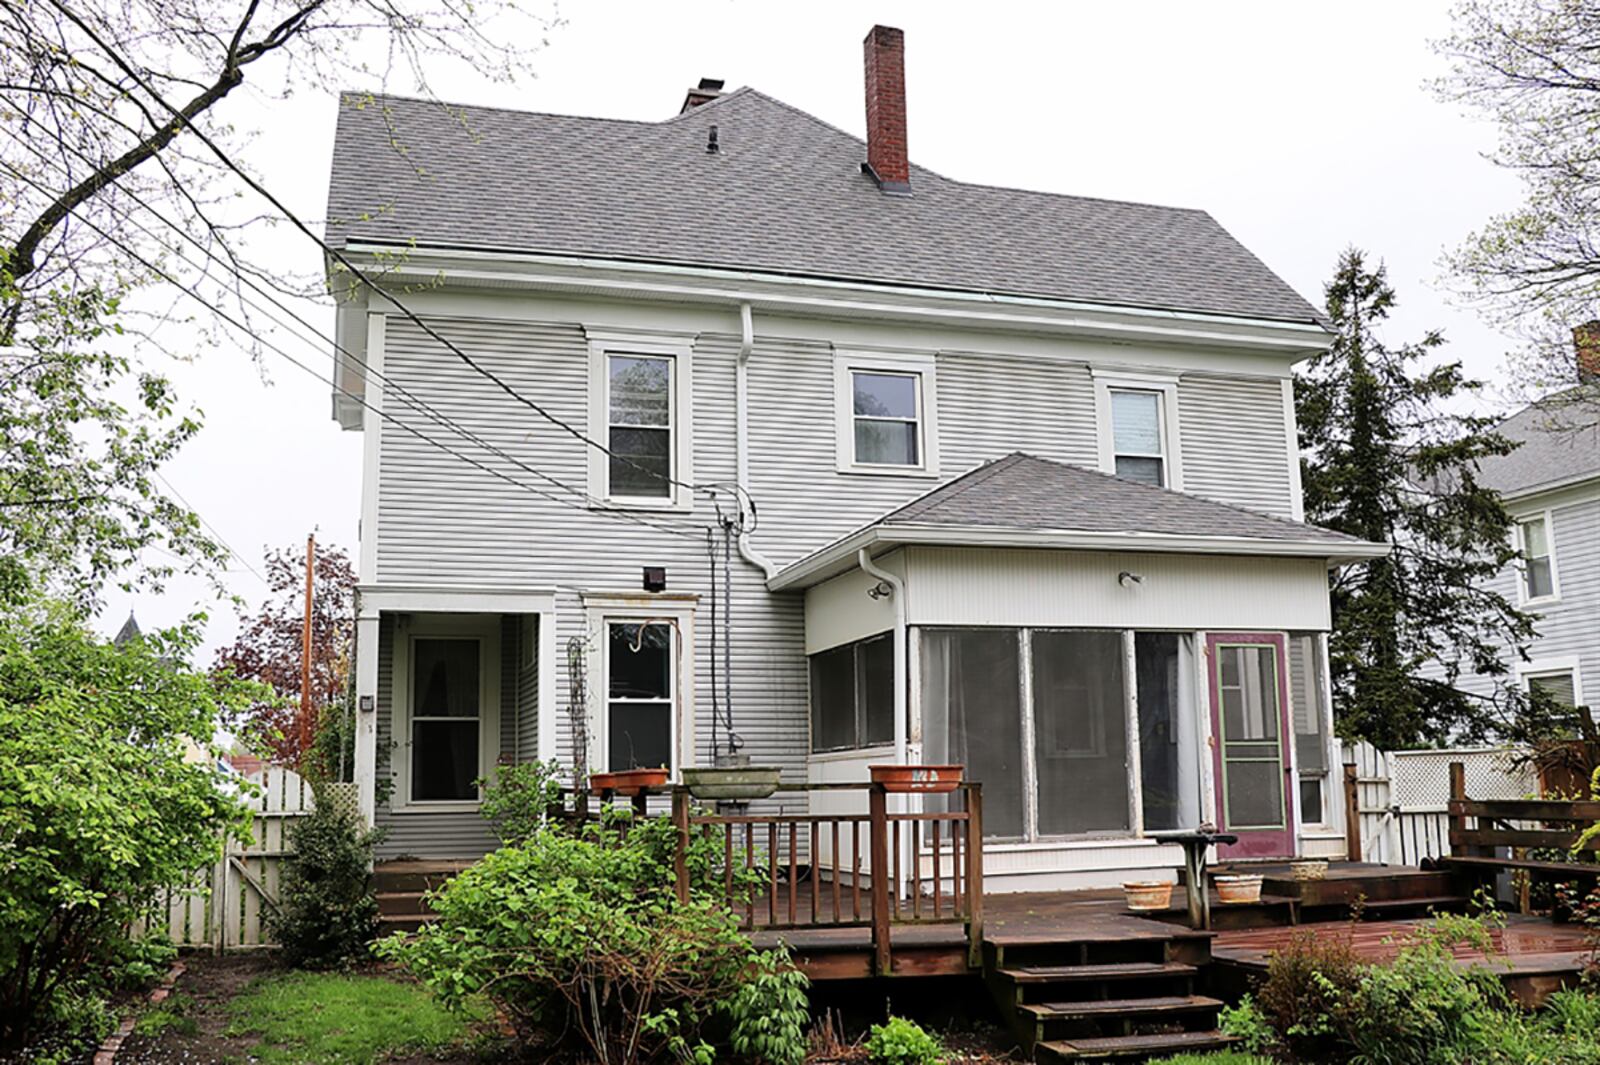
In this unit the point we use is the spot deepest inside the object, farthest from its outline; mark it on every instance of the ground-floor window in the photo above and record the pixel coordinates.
(1046, 718)
(641, 681)
(852, 695)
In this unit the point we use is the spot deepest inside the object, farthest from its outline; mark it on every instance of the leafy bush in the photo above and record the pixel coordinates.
(903, 1042)
(1216, 1057)
(518, 796)
(581, 933)
(327, 913)
(99, 808)
(770, 1012)
(1309, 980)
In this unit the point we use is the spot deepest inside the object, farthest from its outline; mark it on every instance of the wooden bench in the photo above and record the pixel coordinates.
(1481, 828)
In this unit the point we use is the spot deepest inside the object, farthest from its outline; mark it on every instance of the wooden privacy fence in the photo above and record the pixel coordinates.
(1396, 802)
(870, 870)
(226, 904)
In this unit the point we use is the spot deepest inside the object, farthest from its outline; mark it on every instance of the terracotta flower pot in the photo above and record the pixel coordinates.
(1309, 869)
(602, 781)
(1148, 894)
(632, 781)
(917, 778)
(1239, 889)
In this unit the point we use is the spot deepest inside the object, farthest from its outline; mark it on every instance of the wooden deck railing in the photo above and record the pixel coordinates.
(1482, 830)
(870, 870)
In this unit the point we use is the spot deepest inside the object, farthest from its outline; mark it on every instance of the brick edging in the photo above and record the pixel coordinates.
(107, 1054)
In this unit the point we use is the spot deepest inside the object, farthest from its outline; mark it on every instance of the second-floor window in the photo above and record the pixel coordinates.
(640, 426)
(1538, 565)
(1138, 436)
(887, 411)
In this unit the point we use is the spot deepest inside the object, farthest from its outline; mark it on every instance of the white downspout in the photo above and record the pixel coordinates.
(897, 589)
(741, 434)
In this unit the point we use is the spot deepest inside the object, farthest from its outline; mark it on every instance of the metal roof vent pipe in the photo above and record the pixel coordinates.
(888, 160)
(708, 89)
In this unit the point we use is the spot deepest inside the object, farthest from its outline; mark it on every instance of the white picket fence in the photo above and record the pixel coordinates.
(1401, 796)
(226, 905)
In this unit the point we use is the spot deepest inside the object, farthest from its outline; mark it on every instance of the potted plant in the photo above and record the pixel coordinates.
(633, 781)
(1309, 869)
(1239, 888)
(917, 778)
(733, 778)
(602, 781)
(1146, 895)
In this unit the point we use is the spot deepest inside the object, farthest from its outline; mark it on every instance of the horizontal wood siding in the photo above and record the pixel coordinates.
(1572, 626)
(1235, 445)
(527, 689)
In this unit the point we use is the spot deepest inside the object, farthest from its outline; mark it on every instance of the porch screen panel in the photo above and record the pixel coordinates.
(1080, 732)
(972, 716)
(1310, 737)
(1159, 672)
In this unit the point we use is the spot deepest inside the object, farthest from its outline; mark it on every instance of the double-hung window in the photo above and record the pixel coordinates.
(886, 414)
(1538, 559)
(641, 678)
(1138, 436)
(639, 426)
(852, 695)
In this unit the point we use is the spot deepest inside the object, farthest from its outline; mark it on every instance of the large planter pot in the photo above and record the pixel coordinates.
(917, 778)
(1146, 895)
(732, 782)
(602, 781)
(633, 781)
(1238, 889)
(1309, 869)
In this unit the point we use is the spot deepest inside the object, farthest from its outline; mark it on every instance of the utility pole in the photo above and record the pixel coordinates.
(305, 650)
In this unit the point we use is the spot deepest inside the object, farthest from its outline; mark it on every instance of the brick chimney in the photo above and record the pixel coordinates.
(1586, 345)
(887, 158)
(708, 89)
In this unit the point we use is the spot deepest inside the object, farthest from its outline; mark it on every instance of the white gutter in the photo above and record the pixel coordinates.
(741, 439)
(897, 589)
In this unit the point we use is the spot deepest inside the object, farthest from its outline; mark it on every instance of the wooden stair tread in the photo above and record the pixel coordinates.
(1119, 1007)
(1400, 904)
(1049, 974)
(1136, 1045)
(1558, 868)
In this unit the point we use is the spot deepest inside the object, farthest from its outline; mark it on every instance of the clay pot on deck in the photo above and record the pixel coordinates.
(1238, 889)
(1309, 869)
(632, 781)
(917, 778)
(732, 782)
(1148, 894)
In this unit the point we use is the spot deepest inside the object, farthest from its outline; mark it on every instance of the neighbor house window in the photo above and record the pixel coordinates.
(446, 716)
(852, 695)
(885, 414)
(639, 424)
(1538, 567)
(641, 677)
(1138, 436)
(1559, 686)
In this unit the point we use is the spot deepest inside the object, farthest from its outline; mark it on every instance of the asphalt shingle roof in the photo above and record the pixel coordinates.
(785, 194)
(1559, 445)
(1024, 492)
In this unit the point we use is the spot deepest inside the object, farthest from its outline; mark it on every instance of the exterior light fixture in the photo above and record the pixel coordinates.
(1128, 580)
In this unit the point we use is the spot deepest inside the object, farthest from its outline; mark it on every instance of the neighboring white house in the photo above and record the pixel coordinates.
(991, 476)
(1551, 486)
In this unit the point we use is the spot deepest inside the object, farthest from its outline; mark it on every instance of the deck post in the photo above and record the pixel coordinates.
(1458, 794)
(1352, 813)
(680, 857)
(878, 811)
(975, 874)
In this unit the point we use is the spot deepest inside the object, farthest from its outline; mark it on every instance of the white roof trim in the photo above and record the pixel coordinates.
(835, 299)
(434, 599)
(839, 556)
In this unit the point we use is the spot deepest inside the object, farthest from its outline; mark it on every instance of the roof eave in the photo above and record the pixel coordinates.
(840, 556)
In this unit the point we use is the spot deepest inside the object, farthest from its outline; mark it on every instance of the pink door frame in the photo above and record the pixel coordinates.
(1253, 843)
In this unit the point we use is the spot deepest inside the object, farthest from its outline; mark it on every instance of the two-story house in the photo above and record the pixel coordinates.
(1551, 486)
(733, 430)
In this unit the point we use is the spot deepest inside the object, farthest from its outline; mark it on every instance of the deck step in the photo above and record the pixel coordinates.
(401, 922)
(1120, 1007)
(402, 902)
(1424, 902)
(1132, 1046)
(1134, 970)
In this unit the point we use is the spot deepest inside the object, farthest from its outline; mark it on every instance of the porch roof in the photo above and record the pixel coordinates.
(1025, 501)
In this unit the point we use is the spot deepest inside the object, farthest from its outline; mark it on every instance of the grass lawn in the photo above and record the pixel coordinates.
(351, 1019)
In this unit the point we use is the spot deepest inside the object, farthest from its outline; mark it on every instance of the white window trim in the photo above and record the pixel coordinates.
(1166, 385)
(602, 609)
(1523, 599)
(486, 630)
(1554, 666)
(604, 343)
(846, 363)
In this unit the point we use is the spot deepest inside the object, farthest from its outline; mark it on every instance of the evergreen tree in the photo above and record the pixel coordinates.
(1386, 459)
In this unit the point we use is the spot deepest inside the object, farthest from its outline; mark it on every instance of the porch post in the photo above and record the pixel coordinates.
(366, 753)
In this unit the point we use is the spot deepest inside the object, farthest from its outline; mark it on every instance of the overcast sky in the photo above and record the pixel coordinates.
(1301, 127)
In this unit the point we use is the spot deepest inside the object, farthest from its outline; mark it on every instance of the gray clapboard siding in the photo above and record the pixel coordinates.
(1235, 446)
(1572, 626)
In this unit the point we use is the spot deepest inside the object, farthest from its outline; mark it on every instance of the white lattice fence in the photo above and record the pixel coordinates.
(227, 904)
(1401, 796)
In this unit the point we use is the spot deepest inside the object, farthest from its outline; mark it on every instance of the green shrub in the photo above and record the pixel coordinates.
(1215, 1057)
(580, 935)
(769, 1013)
(1246, 1023)
(100, 810)
(1310, 982)
(327, 914)
(903, 1042)
(517, 797)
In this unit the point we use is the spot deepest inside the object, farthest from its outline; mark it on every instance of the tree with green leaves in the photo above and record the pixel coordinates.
(1387, 457)
(1533, 68)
